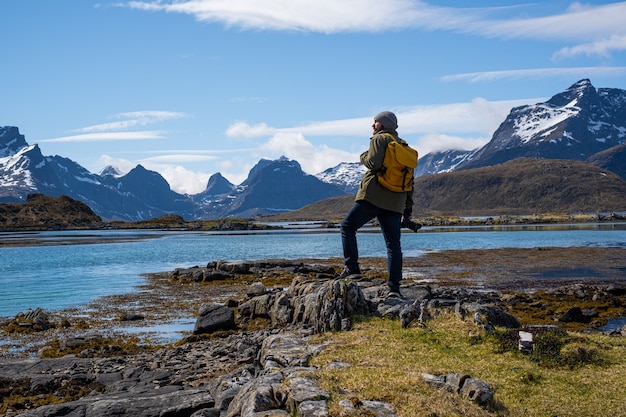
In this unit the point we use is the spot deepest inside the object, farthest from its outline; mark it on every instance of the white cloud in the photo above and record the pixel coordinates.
(478, 116)
(602, 48)
(180, 158)
(313, 159)
(122, 165)
(324, 16)
(110, 136)
(578, 22)
(122, 130)
(488, 76)
(180, 179)
(236, 171)
(133, 119)
(343, 127)
(244, 130)
(440, 142)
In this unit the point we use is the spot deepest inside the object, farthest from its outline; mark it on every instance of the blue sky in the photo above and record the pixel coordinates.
(189, 88)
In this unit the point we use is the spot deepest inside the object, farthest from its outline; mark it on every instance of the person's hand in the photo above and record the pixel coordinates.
(408, 223)
(406, 216)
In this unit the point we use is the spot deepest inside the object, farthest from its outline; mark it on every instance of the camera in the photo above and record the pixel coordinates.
(409, 224)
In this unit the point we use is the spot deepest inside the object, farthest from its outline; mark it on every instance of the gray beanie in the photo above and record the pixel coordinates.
(387, 119)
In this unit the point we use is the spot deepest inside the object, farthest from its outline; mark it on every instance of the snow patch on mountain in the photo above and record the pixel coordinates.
(346, 175)
(15, 170)
(543, 120)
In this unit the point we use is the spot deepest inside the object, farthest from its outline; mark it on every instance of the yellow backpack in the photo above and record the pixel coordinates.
(398, 166)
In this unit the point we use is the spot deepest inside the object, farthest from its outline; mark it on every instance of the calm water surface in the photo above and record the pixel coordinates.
(54, 270)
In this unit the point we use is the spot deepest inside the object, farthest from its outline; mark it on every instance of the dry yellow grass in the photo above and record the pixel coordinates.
(386, 363)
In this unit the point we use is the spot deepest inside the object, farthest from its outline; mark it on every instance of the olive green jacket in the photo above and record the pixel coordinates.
(373, 192)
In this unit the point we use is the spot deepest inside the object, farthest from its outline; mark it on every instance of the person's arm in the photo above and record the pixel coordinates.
(408, 205)
(374, 156)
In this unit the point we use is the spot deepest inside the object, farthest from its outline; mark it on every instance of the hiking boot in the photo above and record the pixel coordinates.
(394, 294)
(346, 273)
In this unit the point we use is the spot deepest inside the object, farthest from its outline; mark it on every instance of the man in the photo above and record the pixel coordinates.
(375, 201)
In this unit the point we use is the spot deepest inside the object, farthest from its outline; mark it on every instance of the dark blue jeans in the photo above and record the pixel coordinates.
(361, 213)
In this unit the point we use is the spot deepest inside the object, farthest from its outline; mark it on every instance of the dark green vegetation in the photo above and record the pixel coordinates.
(548, 347)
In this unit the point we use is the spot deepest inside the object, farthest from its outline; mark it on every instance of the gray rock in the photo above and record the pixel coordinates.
(214, 317)
(207, 412)
(491, 316)
(258, 373)
(469, 387)
(309, 302)
(256, 289)
(578, 315)
(313, 409)
(149, 403)
(370, 408)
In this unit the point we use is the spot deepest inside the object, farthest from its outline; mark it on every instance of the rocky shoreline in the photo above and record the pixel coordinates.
(250, 356)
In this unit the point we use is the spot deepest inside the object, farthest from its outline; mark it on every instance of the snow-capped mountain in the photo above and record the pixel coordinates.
(443, 161)
(138, 195)
(575, 124)
(346, 175)
(271, 186)
(110, 171)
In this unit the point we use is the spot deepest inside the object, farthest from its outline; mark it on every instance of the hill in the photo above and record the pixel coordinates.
(521, 186)
(44, 212)
(331, 209)
(613, 159)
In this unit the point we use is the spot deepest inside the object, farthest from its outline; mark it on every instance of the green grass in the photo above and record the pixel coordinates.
(568, 374)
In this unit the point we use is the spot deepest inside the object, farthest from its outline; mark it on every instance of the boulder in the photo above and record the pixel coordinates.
(469, 387)
(368, 408)
(322, 304)
(578, 315)
(490, 316)
(213, 317)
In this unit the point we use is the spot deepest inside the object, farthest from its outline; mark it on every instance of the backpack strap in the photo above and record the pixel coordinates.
(397, 139)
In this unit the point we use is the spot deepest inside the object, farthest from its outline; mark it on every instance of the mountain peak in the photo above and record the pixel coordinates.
(11, 141)
(582, 84)
(281, 163)
(573, 124)
(574, 94)
(346, 175)
(218, 185)
(110, 170)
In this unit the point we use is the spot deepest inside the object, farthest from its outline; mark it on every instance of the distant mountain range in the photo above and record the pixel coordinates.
(581, 123)
(271, 187)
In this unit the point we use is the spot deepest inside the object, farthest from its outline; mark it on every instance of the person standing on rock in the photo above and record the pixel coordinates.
(373, 200)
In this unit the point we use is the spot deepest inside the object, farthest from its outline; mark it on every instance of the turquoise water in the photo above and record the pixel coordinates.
(68, 269)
